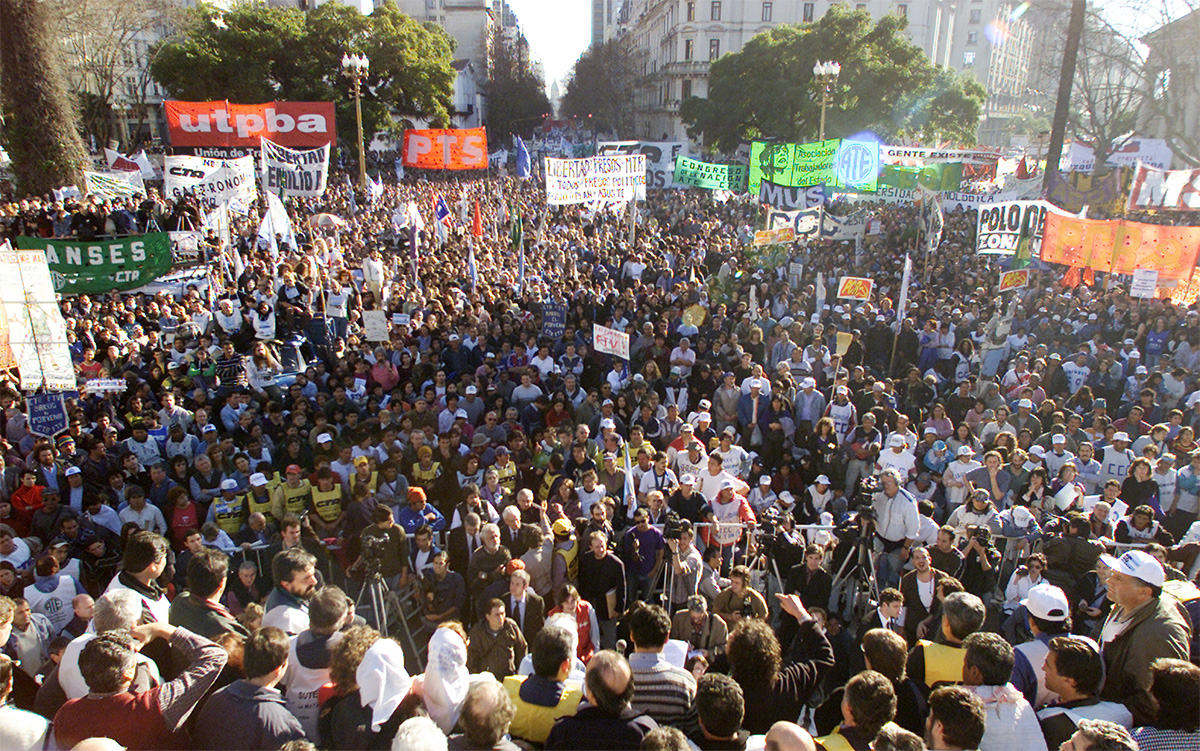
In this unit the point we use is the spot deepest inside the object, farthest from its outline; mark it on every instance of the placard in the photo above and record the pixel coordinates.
(456, 149)
(1145, 282)
(37, 332)
(1003, 226)
(855, 288)
(610, 341)
(804, 222)
(1013, 280)
(784, 234)
(375, 326)
(554, 320)
(47, 413)
(598, 179)
(289, 172)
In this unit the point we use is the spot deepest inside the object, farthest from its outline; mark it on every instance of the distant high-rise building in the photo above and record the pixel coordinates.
(993, 42)
(604, 19)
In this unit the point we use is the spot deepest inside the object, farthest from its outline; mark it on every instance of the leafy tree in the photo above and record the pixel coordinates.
(516, 93)
(602, 87)
(257, 53)
(41, 125)
(887, 86)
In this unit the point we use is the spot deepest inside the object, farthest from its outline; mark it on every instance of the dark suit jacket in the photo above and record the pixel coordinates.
(518, 543)
(873, 621)
(458, 551)
(535, 613)
(914, 610)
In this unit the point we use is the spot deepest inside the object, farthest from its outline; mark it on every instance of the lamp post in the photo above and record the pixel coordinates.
(356, 68)
(826, 75)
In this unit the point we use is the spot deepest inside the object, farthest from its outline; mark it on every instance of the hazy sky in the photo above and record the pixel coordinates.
(558, 32)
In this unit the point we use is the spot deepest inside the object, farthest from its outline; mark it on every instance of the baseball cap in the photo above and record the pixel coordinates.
(1048, 602)
(1121, 435)
(1038, 451)
(896, 440)
(361, 461)
(209, 428)
(472, 390)
(461, 414)
(608, 423)
(965, 451)
(843, 390)
(728, 484)
(687, 427)
(71, 471)
(561, 527)
(324, 438)
(258, 479)
(703, 417)
(1026, 403)
(808, 383)
(1058, 438)
(822, 480)
(755, 383)
(764, 480)
(787, 498)
(1141, 370)
(705, 404)
(294, 469)
(230, 484)
(930, 429)
(1139, 565)
(687, 480)
(729, 430)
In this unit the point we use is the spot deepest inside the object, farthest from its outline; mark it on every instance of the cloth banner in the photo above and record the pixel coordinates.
(916, 156)
(1003, 226)
(600, 179)
(844, 228)
(804, 222)
(660, 159)
(697, 174)
(1120, 246)
(213, 181)
(829, 162)
(292, 173)
(1011, 280)
(65, 192)
(302, 125)
(1077, 189)
(1171, 190)
(554, 320)
(788, 198)
(100, 266)
(942, 176)
(855, 288)
(113, 185)
(47, 413)
(1155, 152)
(610, 341)
(37, 333)
(457, 149)
(784, 234)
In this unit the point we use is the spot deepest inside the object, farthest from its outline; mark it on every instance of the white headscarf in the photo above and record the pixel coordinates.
(446, 678)
(382, 680)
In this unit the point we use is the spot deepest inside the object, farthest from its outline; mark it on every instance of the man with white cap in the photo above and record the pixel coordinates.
(1144, 625)
(751, 410)
(810, 404)
(954, 478)
(1024, 418)
(843, 414)
(1048, 614)
(762, 497)
(897, 456)
(1058, 454)
(1115, 459)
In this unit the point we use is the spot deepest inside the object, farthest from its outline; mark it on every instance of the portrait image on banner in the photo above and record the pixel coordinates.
(460, 149)
(210, 181)
(294, 173)
(101, 266)
(596, 179)
(37, 333)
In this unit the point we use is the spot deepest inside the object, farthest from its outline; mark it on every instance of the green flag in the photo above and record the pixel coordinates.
(518, 231)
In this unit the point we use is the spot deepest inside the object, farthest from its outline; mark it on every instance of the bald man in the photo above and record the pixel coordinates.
(608, 721)
(788, 736)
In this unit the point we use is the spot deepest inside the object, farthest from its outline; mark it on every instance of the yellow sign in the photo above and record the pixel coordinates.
(855, 288)
(1011, 280)
(775, 236)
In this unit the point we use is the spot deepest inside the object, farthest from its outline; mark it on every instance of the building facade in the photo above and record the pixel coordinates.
(993, 42)
(1172, 111)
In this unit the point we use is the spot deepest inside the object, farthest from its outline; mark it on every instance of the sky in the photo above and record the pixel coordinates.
(556, 37)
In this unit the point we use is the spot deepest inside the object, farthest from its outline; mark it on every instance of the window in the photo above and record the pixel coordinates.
(969, 59)
(714, 12)
(688, 44)
(691, 11)
(714, 49)
(976, 16)
(972, 37)
(860, 6)
(902, 10)
(767, 11)
(667, 91)
(685, 89)
(808, 12)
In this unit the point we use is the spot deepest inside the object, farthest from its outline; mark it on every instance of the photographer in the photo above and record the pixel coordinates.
(384, 549)
(897, 524)
(739, 600)
(981, 559)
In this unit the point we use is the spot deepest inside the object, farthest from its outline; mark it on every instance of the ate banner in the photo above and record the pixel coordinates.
(940, 176)
(832, 162)
(100, 266)
(1169, 190)
(1003, 226)
(221, 124)
(298, 174)
(212, 181)
(596, 179)
(697, 174)
(446, 149)
(1120, 246)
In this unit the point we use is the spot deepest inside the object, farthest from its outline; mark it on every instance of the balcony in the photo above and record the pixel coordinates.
(690, 67)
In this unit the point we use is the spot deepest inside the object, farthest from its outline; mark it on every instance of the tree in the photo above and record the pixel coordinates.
(516, 91)
(41, 125)
(887, 86)
(259, 53)
(602, 87)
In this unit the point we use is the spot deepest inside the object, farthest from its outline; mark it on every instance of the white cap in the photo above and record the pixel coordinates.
(822, 480)
(1038, 451)
(461, 413)
(728, 484)
(896, 440)
(755, 383)
(324, 438)
(1022, 516)
(764, 480)
(71, 471)
(687, 480)
(1121, 435)
(1058, 438)
(1026, 403)
(843, 390)
(230, 484)
(965, 451)
(608, 423)
(472, 390)
(930, 429)
(1139, 565)
(1049, 603)
(703, 417)
(811, 383)
(1141, 370)
(258, 479)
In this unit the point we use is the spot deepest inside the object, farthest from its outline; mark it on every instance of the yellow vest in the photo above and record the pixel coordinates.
(544, 489)
(507, 475)
(571, 556)
(835, 741)
(328, 503)
(372, 484)
(264, 506)
(425, 478)
(533, 722)
(295, 500)
(943, 663)
(274, 481)
(228, 514)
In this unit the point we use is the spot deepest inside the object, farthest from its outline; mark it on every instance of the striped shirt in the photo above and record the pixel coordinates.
(665, 692)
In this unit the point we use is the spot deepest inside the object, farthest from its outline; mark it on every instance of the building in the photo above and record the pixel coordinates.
(1172, 112)
(472, 23)
(605, 17)
(993, 42)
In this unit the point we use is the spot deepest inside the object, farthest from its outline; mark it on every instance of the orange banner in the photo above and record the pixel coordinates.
(855, 288)
(446, 149)
(1011, 280)
(297, 125)
(1120, 246)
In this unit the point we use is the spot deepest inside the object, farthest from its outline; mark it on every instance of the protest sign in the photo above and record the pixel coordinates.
(1002, 226)
(375, 325)
(916, 156)
(1151, 188)
(610, 341)
(804, 222)
(99, 266)
(788, 198)
(47, 413)
(298, 174)
(37, 332)
(212, 181)
(660, 158)
(113, 185)
(221, 124)
(456, 149)
(855, 288)
(104, 386)
(1186, 292)
(1071, 192)
(1012, 280)
(1145, 282)
(65, 192)
(1154, 152)
(844, 228)
(830, 162)
(1120, 246)
(554, 320)
(697, 174)
(604, 179)
(784, 234)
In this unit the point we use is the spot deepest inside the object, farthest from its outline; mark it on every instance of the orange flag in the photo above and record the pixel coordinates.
(1089, 276)
(477, 226)
(1071, 279)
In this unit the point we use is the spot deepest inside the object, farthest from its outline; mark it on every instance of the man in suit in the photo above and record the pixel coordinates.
(919, 588)
(884, 616)
(514, 535)
(814, 585)
(523, 604)
(463, 541)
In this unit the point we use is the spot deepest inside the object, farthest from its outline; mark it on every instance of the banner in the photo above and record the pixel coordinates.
(660, 159)
(114, 185)
(101, 266)
(855, 288)
(375, 326)
(47, 413)
(844, 228)
(213, 181)
(1011, 280)
(446, 149)
(1077, 189)
(221, 124)
(554, 320)
(605, 179)
(1002, 226)
(186, 246)
(788, 198)
(1154, 152)
(292, 173)
(829, 162)
(784, 234)
(944, 176)
(917, 156)
(1171, 190)
(1120, 246)
(37, 333)
(697, 174)
(803, 222)
(1186, 292)
(610, 341)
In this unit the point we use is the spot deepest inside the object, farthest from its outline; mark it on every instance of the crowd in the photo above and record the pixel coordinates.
(786, 521)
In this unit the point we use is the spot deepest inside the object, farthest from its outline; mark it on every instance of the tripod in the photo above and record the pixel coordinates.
(855, 580)
(375, 593)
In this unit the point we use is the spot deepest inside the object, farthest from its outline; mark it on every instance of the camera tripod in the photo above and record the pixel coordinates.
(375, 594)
(855, 583)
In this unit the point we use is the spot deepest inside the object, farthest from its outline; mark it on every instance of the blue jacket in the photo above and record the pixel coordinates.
(410, 520)
(245, 717)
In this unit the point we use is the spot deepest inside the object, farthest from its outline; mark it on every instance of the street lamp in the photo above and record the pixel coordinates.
(356, 68)
(826, 75)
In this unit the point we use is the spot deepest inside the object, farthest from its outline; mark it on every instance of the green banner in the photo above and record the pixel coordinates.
(699, 174)
(834, 162)
(942, 177)
(99, 266)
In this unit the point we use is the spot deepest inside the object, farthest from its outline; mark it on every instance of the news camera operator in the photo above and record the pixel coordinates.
(897, 523)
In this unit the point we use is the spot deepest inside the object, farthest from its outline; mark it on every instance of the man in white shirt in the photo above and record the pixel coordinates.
(141, 513)
(1011, 721)
(683, 357)
(897, 524)
(954, 478)
(897, 457)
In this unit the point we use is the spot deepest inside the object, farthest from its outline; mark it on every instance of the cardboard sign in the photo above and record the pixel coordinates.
(610, 341)
(855, 288)
(554, 320)
(446, 149)
(299, 174)
(1145, 282)
(598, 179)
(375, 326)
(784, 234)
(1011, 280)
(212, 124)
(47, 413)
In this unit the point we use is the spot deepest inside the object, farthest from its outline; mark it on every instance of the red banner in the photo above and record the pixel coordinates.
(1119, 246)
(446, 149)
(297, 125)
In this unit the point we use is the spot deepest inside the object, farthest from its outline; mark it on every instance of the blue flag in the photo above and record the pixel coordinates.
(471, 270)
(523, 167)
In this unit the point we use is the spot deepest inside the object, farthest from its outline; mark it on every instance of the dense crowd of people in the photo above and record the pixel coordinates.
(937, 518)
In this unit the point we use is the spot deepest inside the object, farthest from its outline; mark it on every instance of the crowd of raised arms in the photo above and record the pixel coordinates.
(786, 521)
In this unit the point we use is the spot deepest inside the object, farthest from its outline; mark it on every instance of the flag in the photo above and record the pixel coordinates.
(933, 219)
(353, 203)
(143, 162)
(523, 165)
(905, 280)
(442, 211)
(375, 189)
(521, 271)
(120, 163)
(477, 221)
(518, 232)
(1089, 276)
(399, 169)
(1071, 278)
(472, 271)
(630, 496)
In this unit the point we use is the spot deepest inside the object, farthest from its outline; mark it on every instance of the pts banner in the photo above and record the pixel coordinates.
(221, 124)
(446, 149)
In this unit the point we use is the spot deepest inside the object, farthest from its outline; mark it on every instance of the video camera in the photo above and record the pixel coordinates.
(372, 555)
